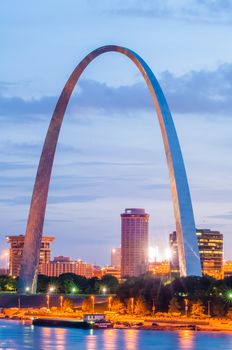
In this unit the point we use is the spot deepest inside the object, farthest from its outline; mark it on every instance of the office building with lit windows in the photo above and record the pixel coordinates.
(62, 264)
(210, 245)
(227, 268)
(160, 268)
(134, 242)
(16, 251)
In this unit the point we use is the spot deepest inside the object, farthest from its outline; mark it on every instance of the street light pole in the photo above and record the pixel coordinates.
(48, 300)
(132, 306)
(209, 311)
(92, 297)
(153, 307)
(109, 303)
(61, 301)
(186, 302)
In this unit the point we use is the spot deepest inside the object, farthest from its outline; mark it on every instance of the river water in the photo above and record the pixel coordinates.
(14, 335)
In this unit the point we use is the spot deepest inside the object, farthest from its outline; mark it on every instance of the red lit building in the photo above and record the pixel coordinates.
(16, 251)
(62, 264)
(134, 242)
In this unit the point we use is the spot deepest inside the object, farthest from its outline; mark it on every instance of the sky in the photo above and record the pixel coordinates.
(110, 154)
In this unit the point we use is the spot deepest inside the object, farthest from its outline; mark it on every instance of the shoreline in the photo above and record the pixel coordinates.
(171, 326)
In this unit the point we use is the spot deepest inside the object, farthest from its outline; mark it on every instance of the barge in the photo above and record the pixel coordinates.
(58, 322)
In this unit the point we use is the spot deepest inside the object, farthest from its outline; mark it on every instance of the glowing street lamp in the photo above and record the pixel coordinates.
(74, 290)
(93, 301)
(132, 305)
(61, 301)
(109, 303)
(104, 290)
(229, 295)
(48, 301)
(52, 289)
(153, 307)
(186, 305)
(27, 289)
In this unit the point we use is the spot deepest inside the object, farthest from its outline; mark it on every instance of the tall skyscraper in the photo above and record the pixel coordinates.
(134, 242)
(210, 245)
(16, 251)
(211, 252)
(116, 257)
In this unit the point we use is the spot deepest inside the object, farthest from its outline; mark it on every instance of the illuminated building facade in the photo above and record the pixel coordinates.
(160, 268)
(210, 245)
(134, 242)
(63, 264)
(211, 252)
(116, 257)
(227, 268)
(111, 270)
(16, 251)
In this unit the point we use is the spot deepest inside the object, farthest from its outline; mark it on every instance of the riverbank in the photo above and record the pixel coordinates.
(212, 325)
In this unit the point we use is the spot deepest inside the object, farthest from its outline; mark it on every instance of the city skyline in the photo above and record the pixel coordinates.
(84, 207)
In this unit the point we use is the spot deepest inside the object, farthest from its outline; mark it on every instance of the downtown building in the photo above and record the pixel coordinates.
(160, 269)
(210, 244)
(16, 251)
(227, 268)
(99, 271)
(134, 242)
(116, 258)
(63, 264)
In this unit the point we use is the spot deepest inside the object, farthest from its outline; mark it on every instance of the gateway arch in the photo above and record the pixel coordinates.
(189, 260)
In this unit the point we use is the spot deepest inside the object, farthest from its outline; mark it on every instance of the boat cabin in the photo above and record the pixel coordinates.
(94, 317)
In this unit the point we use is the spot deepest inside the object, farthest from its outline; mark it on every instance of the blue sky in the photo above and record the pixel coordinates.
(110, 154)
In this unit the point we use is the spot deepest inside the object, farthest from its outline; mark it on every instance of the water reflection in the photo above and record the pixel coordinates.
(60, 336)
(186, 340)
(91, 341)
(110, 339)
(16, 336)
(131, 339)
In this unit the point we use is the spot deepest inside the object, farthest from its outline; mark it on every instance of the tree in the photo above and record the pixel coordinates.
(118, 306)
(110, 282)
(174, 307)
(197, 310)
(87, 305)
(218, 309)
(229, 314)
(68, 281)
(43, 283)
(140, 306)
(8, 283)
(68, 305)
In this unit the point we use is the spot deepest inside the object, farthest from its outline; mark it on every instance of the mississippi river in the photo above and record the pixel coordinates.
(14, 335)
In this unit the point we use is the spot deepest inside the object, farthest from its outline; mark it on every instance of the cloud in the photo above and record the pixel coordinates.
(227, 216)
(208, 11)
(196, 92)
(5, 166)
(202, 91)
(25, 200)
(30, 150)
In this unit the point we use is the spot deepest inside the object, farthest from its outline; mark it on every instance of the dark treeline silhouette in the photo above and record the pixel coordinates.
(215, 295)
(67, 283)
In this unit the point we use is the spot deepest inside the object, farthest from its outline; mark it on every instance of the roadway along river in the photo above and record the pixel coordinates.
(15, 335)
